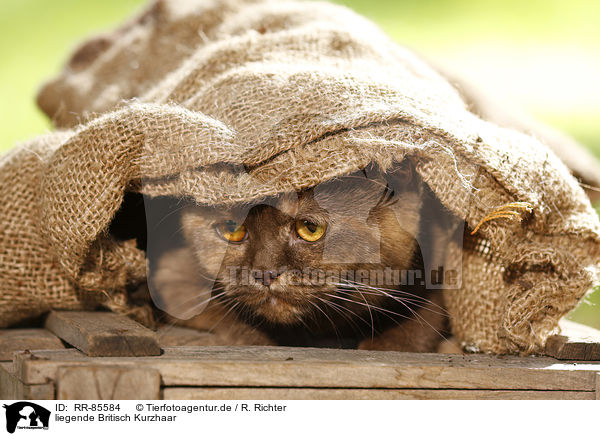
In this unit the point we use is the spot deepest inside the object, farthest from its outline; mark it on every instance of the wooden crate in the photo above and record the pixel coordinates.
(106, 356)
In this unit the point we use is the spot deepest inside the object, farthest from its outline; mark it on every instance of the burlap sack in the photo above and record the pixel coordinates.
(127, 62)
(267, 97)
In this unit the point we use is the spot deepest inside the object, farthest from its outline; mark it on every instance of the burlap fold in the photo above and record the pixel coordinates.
(233, 101)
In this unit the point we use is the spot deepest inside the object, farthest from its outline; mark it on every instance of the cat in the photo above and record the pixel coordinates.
(338, 265)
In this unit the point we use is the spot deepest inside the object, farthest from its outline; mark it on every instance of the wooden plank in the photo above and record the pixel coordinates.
(11, 388)
(598, 386)
(576, 342)
(12, 340)
(367, 394)
(306, 367)
(107, 383)
(103, 333)
(175, 336)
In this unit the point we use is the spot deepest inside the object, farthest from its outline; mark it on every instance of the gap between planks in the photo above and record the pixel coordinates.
(11, 388)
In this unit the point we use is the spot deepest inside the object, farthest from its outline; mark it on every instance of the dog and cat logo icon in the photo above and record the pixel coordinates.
(26, 415)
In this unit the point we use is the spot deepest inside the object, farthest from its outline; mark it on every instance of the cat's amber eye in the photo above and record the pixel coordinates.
(231, 231)
(310, 231)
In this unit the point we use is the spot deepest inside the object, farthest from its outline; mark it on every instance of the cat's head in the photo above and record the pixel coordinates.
(288, 258)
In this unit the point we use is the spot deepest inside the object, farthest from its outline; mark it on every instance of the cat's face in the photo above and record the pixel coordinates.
(285, 260)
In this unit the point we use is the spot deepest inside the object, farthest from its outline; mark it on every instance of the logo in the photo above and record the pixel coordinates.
(26, 415)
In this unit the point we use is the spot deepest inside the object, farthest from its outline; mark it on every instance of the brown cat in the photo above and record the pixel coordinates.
(337, 265)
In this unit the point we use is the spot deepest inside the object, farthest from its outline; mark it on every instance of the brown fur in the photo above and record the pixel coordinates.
(373, 226)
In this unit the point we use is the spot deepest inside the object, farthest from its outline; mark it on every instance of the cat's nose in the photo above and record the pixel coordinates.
(265, 276)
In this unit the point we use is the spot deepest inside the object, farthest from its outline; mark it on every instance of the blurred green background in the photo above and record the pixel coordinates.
(541, 56)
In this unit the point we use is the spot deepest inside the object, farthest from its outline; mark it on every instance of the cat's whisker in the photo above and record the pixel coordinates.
(355, 328)
(214, 326)
(377, 308)
(388, 292)
(370, 313)
(383, 312)
(421, 304)
(419, 300)
(175, 233)
(340, 309)
(417, 316)
(214, 297)
(208, 279)
(195, 296)
(299, 318)
(242, 311)
(316, 306)
(178, 209)
(173, 320)
(410, 295)
(172, 323)
(199, 305)
(420, 318)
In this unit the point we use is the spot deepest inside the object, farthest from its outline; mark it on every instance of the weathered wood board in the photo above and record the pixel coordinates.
(12, 340)
(326, 368)
(576, 342)
(187, 369)
(103, 333)
(11, 388)
(99, 382)
(367, 394)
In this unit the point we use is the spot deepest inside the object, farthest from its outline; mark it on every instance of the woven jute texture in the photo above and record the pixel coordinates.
(234, 101)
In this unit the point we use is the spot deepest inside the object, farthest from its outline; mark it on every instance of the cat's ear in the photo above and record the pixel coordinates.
(401, 176)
